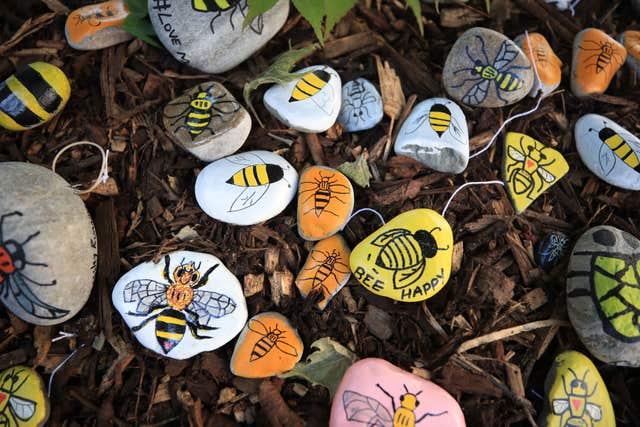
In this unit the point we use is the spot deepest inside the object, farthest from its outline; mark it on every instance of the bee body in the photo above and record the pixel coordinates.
(404, 417)
(439, 118)
(263, 346)
(257, 175)
(620, 147)
(270, 338)
(406, 250)
(213, 5)
(310, 84)
(170, 328)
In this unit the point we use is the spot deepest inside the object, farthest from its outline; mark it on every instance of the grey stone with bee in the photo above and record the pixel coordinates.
(486, 69)
(207, 121)
(361, 106)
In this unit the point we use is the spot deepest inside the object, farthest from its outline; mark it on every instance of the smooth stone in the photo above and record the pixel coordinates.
(564, 4)
(207, 121)
(97, 26)
(552, 249)
(603, 294)
(631, 42)
(186, 304)
(268, 345)
(325, 202)
(529, 168)
(373, 392)
(575, 394)
(48, 247)
(246, 188)
(595, 135)
(436, 135)
(480, 62)
(407, 259)
(23, 398)
(210, 37)
(27, 106)
(547, 63)
(325, 270)
(596, 59)
(361, 106)
(291, 104)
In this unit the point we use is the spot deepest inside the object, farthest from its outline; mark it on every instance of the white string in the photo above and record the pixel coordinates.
(517, 116)
(60, 365)
(103, 175)
(573, 5)
(62, 335)
(359, 211)
(466, 184)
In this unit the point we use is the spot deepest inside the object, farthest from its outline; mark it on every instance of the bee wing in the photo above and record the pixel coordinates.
(226, 107)
(546, 175)
(607, 159)
(25, 297)
(455, 127)
(148, 293)
(257, 25)
(404, 278)
(387, 236)
(515, 154)
(366, 410)
(594, 410)
(245, 159)
(559, 406)
(505, 55)
(324, 99)
(22, 408)
(248, 197)
(287, 348)
(477, 93)
(209, 306)
(415, 125)
(258, 327)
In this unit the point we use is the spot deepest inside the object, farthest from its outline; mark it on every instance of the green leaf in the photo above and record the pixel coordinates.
(335, 11)
(257, 7)
(358, 171)
(417, 12)
(326, 366)
(140, 28)
(137, 7)
(312, 11)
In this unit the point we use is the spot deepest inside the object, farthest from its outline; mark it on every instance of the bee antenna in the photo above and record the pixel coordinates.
(199, 264)
(418, 393)
(585, 375)
(434, 229)
(182, 262)
(573, 373)
(405, 388)
(29, 238)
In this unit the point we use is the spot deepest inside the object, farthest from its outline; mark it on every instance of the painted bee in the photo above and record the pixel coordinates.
(604, 53)
(499, 72)
(94, 18)
(270, 338)
(440, 120)
(327, 265)
(16, 408)
(205, 107)
(15, 283)
(224, 6)
(355, 104)
(615, 146)
(314, 85)
(368, 410)
(528, 172)
(322, 191)
(577, 403)
(179, 304)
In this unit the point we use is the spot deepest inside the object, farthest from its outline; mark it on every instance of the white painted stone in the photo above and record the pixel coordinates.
(227, 190)
(149, 293)
(437, 142)
(361, 106)
(210, 39)
(313, 114)
(600, 158)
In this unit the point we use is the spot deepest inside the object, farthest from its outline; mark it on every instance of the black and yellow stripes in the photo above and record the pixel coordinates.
(33, 96)
(170, 328)
(401, 252)
(256, 175)
(310, 84)
(212, 5)
(261, 348)
(439, 118)
(620, 147)
(509, 82)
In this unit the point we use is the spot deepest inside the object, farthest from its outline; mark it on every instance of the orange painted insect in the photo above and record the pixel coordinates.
(322, 190)
(604, 53)
(270, 338)
(328, 264)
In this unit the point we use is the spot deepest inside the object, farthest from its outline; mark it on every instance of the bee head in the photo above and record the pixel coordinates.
(427, 242)
(186, 274)
(578, 387)
(409, 400)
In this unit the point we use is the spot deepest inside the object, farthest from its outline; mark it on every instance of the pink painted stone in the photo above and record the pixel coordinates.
(364, 398)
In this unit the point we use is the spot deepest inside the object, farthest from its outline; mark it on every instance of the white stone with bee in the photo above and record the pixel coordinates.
(361, 106)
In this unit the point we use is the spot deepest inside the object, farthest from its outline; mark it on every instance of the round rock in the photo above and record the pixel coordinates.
(552, 249)
(436, 135)
(631, 42)
(609, 151)
(207, 121)
(603, 294)
(97, 26)
(308, 104)
(548, 65)
(246, 188)
(187, 303)
(361, 106)
(47, 245)
(209, 35)
(24, 399)
(486, 69)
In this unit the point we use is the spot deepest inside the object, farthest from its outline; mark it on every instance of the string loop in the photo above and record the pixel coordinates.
(104, 166)
(359, 211)
(466, 184)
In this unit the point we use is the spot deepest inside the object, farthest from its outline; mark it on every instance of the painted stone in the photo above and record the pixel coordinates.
(596, 59)
(33, 96)
(373, 392)
(609, 151)
(325, 269)
(549, 66)
(631, 42)
(209, 35)
(603, 294)
(552, 249)
(186, 304)
(308, 104)
(575, 394)
(97, 26)
(246, 188)
(486, 69)
(529, 168)
(408, 259)
(48, 245)
(436, 135)
(361, 106)
(325, 202)
(569, 5)
(207, 121)
(268, 345)
(23, 399)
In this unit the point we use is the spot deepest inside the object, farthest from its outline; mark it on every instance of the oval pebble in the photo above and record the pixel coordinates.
(361, 106)
(552, 249)
(97, 26)
(23, 398)
(631, 41)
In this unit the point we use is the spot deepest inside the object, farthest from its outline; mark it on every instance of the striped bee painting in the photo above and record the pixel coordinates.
(314, 85)
(33, 96)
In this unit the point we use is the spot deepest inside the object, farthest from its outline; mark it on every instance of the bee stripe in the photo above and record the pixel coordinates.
(314, 81)
(172, 320)
(197, 124)
(298, 94)
(14, 112)
(40, 83)
(440, 116)
(205, 116)
(504, 83)
(169, 335)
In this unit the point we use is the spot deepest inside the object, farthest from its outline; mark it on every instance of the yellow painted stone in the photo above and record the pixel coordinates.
(575, 394)
(407, 259)
(23, 401)
(529, 168)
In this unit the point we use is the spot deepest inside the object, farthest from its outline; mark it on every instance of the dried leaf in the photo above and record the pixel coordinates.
(358, 171)
(391, 89)
(276, 410)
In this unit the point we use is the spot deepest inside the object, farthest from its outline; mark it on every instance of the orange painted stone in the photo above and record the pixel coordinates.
(268, 345)
(548, 65)
(631, 41)
(596, 59)
(325, 202)
(97, 26)
(326, 269)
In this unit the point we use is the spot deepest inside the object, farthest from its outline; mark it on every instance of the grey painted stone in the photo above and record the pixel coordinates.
(436, 135)
(198, 300)
(486, 69)
(631, 41)
(592, 132)
(48, 245)
(361, 106)
(221, 132)
(315, 113)
(603, 298)
(97, 26)
(212, 40)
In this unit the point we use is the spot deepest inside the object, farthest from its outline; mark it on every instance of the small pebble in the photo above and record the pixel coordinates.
(23, 398)
(548, 65)
(97, 26)
(552, 249)
(631, 42)
(207, 121)
(361, 106)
